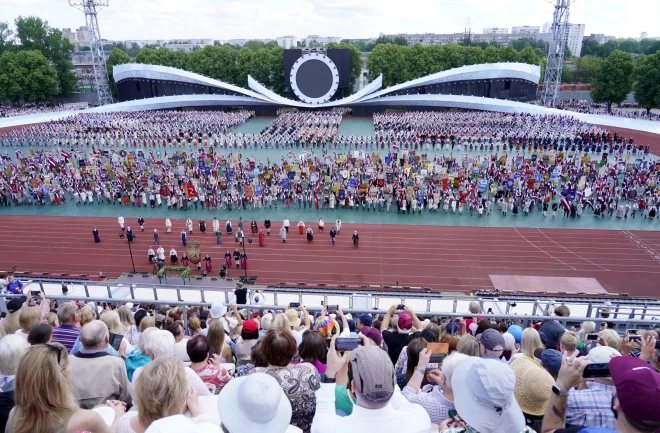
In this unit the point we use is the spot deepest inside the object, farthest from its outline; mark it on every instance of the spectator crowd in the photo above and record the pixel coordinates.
(71, 366)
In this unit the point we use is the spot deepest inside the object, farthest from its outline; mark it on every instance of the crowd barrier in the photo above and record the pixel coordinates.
(623, 313)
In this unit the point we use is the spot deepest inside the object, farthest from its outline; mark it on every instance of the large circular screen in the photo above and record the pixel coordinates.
(314, 78)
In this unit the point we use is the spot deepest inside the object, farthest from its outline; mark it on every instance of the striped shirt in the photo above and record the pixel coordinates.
(591, 407)
(66, 335)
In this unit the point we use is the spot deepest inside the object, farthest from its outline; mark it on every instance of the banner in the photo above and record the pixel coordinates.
(194, 252)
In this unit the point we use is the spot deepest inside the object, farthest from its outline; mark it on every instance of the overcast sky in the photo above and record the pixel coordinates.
(247, 19)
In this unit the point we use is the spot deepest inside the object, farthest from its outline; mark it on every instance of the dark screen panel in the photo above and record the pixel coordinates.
(314, 78)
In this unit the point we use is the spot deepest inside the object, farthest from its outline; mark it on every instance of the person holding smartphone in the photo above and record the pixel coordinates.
(14, 286)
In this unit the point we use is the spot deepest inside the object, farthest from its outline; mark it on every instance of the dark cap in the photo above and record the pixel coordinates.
(365, 319)
(492, 340)
(373, 373)
(551, 360)
(15, 304)
(637, 389)
(372, 333)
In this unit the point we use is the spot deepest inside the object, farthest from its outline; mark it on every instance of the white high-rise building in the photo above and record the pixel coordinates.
(547, 27)
(70, 35)
(82, 35)
(288, 41)
(496, 31)
(525, 29)
(575, 36)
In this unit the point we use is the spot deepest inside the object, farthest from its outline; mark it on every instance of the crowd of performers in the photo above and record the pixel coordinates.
(479, 131)
(407, 180)
(628, 110)
(33, 108)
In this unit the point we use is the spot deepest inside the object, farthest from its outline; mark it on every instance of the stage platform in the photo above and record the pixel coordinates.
(570, 285)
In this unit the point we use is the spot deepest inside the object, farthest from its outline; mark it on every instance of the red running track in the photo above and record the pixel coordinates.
(443, 258)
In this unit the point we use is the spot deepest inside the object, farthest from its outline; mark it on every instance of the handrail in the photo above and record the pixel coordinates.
(525, 320)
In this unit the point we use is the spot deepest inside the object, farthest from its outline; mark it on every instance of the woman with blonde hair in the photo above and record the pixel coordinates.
(28, 318)
(194, 326)
(126, 318)
(161, 390)
(468, 345)
(530, 341)
(216, 336)
(44, 401)
(112, 320)
(86, 315)
(280, 321)
(587, 327)
(52, 320)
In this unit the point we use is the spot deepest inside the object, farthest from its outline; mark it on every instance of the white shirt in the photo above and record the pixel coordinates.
(168, 223)
(286, 222)
(120, 220)
(180, 350)
(398, 416)
(172, 252)
(161, 253)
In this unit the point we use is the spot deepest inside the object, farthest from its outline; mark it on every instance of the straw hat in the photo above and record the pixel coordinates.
(533, 386)
(292, 317)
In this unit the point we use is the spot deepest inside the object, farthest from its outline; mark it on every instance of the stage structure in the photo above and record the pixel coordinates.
(100, 71)
(555, 63)
(315, 75)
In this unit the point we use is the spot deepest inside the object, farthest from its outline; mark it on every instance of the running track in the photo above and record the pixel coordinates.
(442, 258)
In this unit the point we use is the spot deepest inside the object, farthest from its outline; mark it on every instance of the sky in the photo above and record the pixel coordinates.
(349, 19)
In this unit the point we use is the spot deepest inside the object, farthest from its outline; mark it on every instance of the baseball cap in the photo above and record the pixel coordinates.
(483, 395)
(405, 321)
(373, 373)
(452, 328)
(250, 326)
(16, 303)
(218, 310)
(492, 340)
(638, 390)
(366, 319)
(551, 360)
(372, 333)
(602, 354)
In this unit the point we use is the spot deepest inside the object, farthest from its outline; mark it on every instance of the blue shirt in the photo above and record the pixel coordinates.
(16, 287)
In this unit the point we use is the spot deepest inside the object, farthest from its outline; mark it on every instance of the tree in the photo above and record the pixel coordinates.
(134, 50)
(26, 76)
(647, 82)
(590, 48)
(116, 57)
(35, 34)
(6, 36)
(613, 81)
(400, 40)
(217, 62)
(84, 48)
(587, 67)
(629, 46)
(528, 55)
(389, 60)
(649, 46)
(356, 61)
(608, 48)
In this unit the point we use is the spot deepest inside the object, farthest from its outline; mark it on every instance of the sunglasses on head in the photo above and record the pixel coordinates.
(58, 349)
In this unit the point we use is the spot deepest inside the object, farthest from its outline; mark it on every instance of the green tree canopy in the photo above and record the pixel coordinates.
(35, 34)
(116, 57)
(587, 67)
(647, 82)
(26, 76)
(613, 81)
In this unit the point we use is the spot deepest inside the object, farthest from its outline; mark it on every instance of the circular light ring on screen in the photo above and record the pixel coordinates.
(314, 78)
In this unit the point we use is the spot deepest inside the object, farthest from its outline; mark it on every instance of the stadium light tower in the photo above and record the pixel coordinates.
(90, 8)
(555, 64)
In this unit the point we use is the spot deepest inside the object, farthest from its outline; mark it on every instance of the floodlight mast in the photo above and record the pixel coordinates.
(555, 63)
(90, 9)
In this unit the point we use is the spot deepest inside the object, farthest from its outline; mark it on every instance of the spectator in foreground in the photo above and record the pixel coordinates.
(635, 403)
(491, 344)
(28, 318)
(180, 341)
(484, 398)
(216, 336)
(69, 328)
(396, 340)
(440, 400)
(552, 329)
(11, 349)
(162, 391)
(244, 344)
(40, 334)
(160, 344)
(207, 368)
(379, 406)
(138, 357)
(278, 348)
(97, 376)
(44, 399)
(255, 403)
(533, 388)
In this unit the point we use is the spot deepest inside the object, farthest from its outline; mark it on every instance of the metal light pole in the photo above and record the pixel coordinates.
(131, 253)
(249, 241)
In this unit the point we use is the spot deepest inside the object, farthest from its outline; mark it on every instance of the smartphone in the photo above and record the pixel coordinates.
(596, 370)
(400, 307)
(657, 345)
(115, 341)
(347, 344)
(332, 309)
(635, 337)
(211, 352)
(592, 337)
(437, 359)
(438, 348)
(35, 293)
(632, 332)
(294, 304)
